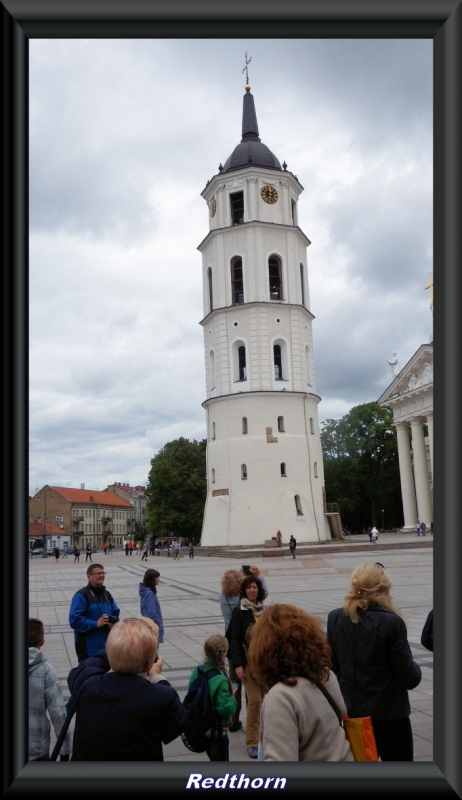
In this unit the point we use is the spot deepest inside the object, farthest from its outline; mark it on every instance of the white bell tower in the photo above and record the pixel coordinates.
(264, 457)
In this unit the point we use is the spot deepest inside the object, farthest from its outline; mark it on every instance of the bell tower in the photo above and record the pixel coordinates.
(264, 457)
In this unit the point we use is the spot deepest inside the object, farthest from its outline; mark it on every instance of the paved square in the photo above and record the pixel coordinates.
(188, 593)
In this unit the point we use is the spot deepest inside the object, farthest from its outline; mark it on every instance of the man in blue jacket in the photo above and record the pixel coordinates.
(92, 614)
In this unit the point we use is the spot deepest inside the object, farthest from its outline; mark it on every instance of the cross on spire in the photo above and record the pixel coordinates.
(430, 286)
(246, 68)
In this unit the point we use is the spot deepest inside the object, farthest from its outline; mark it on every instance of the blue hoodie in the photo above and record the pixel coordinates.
(150, 607)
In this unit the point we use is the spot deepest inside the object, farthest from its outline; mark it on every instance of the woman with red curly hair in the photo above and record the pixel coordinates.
(289, 655)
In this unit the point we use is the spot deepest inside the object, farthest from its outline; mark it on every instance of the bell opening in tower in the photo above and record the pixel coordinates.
(237, 208)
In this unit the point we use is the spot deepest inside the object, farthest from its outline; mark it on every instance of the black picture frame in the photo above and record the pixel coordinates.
(439, 20)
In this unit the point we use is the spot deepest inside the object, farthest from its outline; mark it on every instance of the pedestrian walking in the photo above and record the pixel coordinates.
(191, 550)
(374, 535)
(176, 551)
(65, 551)
(423, 529)
(93, 613)
(130, 547)
(417, 527)
(88, 552)
(292, 545)
(105, 548)
(56, 552)
(279, 539)
(76, 552)
(126, 548)
(144, 552)
(110, 549)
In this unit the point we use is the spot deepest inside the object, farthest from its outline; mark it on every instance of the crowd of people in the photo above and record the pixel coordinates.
(272, 656)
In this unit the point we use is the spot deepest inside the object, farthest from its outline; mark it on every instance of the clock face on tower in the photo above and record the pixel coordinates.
(212, 207)
(269, 194)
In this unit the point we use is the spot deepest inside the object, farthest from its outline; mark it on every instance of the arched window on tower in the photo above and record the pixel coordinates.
(244, 424)
(209, 279)
(309, 378)
(283, 470)
(242, 364)
(213, 431)
(302, 282)
(213, 476)
(237, 281)
(277, 359)
(294, 212)
(281, 424)
(311, 425)
(239, 361)
(275, 278)
(212, 376)
(298, 505)
(243, 472)
(315, 469)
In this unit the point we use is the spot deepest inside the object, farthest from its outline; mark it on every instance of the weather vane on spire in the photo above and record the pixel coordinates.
(246, 69)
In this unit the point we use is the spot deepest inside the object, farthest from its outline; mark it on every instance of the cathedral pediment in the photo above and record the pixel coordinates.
(412, 388)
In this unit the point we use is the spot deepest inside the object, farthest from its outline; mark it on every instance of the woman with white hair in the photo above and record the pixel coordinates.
(373, 661)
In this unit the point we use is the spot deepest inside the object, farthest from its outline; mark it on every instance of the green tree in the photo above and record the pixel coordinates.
(361, 467)
(176, 489)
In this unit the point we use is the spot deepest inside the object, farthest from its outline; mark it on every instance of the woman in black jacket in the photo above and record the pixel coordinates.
(373, 661)
(251, 596)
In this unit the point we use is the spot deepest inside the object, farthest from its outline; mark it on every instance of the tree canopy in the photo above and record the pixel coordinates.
(177, 488)
(361, 467)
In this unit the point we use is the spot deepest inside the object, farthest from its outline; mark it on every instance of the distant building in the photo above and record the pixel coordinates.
(135, 495)
(53, 534)
(410, 396)
(86, 516)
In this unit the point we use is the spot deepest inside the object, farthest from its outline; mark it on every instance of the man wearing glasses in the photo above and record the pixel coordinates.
(92, 614)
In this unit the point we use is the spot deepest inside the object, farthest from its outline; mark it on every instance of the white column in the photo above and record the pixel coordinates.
(406, 476)
(430, 440)
(421, 477)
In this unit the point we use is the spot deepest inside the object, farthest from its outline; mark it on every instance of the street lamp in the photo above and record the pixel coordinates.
(45, 543)
(383, 524)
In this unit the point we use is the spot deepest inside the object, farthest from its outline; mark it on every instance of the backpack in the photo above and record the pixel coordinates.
(202, 720)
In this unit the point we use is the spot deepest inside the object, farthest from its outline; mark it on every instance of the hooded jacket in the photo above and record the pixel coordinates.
(44, 696)
(150, 607)
(373, 662)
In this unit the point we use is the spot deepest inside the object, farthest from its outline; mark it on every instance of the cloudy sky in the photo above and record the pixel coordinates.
(124, 135)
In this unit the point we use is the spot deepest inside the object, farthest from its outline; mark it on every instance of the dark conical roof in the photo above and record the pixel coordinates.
(251, 150)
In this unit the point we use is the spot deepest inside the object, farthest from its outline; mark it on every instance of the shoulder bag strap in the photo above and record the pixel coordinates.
(331, 701)
(71, 706)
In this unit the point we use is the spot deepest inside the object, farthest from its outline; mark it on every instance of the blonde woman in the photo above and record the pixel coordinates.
(373, 662)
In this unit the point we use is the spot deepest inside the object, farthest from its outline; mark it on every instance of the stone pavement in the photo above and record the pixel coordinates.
(188, 592)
